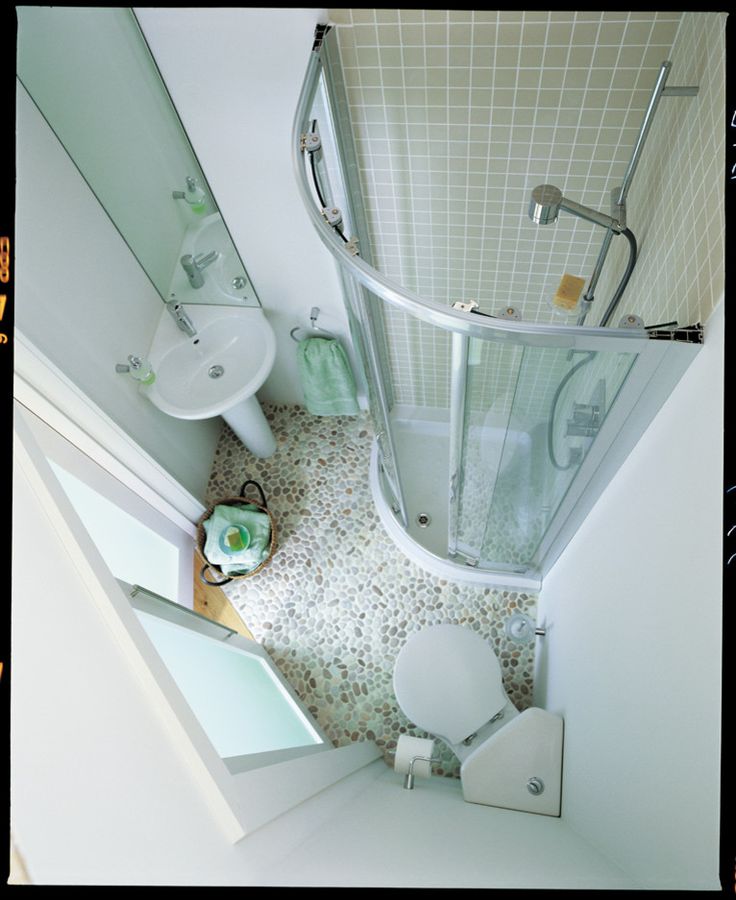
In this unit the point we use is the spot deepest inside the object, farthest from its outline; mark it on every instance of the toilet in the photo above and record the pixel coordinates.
(447, 681)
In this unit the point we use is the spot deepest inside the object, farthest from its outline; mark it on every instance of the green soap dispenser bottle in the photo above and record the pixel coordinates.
(195, 196)
(141, 369)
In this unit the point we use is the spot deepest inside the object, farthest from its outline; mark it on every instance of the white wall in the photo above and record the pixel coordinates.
(237, 104)
(632, 659)
(85, 303)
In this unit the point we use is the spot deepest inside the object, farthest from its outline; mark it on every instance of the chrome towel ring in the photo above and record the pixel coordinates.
(320, 332)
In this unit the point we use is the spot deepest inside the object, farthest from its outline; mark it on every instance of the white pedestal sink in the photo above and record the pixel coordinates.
(217, 371)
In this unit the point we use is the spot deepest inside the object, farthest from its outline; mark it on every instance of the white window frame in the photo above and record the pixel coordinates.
(149, 602)
(177, 533)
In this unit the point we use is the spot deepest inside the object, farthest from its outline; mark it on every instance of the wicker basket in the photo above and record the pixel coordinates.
(202, 535)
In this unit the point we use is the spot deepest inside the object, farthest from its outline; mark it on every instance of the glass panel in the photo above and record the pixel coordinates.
(366, 327)
(532, 415)
(493, 372)
(132, 551)
(91, 75)
(233, 694)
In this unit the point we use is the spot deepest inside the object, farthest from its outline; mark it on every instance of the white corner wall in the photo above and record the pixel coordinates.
(237, 104)
(85, 303)
(632, 658)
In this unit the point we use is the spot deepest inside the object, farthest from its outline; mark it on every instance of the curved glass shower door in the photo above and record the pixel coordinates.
(531, 415)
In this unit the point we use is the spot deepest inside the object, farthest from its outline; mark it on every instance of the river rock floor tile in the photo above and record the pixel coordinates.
(339, 598)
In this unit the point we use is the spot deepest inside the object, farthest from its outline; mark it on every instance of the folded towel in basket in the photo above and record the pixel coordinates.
(327, 380)
(237, 561)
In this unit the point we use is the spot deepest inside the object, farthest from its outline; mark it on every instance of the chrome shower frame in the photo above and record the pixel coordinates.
(661, 359)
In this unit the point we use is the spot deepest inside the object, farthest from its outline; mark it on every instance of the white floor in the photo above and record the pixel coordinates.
(422, 448)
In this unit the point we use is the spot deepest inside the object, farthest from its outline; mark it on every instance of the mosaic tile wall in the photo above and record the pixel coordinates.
(458, 114)
(676, 204)
(338, 599)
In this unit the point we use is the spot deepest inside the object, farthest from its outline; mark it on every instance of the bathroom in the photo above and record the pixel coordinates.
(613, 587)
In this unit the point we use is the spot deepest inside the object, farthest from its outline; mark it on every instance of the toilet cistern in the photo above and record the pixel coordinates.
(448, 682)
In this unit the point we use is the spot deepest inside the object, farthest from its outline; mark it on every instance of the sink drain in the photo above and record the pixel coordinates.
(216, 371)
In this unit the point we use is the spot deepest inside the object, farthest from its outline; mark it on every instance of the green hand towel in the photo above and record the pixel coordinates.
(327, 380)
(239, 562)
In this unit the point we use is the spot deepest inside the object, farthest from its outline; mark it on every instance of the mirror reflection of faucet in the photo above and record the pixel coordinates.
(204, 243)
(181, 317)
(194, 266)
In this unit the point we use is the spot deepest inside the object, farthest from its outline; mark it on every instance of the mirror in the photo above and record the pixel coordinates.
(92, 76)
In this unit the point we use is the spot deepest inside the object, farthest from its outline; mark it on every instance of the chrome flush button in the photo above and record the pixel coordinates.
(535, 786)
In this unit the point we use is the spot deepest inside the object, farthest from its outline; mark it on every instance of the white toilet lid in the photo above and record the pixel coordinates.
(447, 680)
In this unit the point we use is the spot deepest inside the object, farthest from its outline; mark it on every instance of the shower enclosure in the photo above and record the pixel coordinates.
(514, 428)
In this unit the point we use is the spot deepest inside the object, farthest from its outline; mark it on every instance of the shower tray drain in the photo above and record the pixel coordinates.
(216, 371)
(423, 519)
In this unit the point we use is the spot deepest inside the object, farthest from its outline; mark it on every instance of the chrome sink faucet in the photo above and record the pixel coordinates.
(193, 266)
(180, 317)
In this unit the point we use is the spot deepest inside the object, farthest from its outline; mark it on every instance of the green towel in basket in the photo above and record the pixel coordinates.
(327, 380)
(241, 561)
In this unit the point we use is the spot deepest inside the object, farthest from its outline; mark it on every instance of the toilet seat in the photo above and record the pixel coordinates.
(447, 680)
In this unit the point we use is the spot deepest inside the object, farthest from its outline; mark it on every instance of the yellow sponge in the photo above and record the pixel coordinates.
(568, 291)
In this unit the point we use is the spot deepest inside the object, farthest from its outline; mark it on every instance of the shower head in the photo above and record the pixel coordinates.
(547, 201)
(544, 206)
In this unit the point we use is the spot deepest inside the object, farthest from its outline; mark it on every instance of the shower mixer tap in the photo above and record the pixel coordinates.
(586, 420)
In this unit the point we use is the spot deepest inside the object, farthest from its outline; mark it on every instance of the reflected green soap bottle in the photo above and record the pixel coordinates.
(195, 196)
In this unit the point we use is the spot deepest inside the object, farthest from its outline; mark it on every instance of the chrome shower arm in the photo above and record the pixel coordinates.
(547, 201)
(591, 215)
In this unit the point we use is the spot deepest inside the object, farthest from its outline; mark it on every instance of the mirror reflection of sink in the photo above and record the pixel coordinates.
(225, 280)
(217, 371)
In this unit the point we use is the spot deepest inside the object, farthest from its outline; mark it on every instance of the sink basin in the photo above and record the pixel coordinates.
(217, 371)
(226, 361)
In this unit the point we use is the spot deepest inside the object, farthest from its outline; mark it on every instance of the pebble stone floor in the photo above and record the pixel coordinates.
(338, 599)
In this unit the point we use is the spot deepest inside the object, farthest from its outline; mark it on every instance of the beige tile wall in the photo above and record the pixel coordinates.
(676, 203)
(458, 114)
